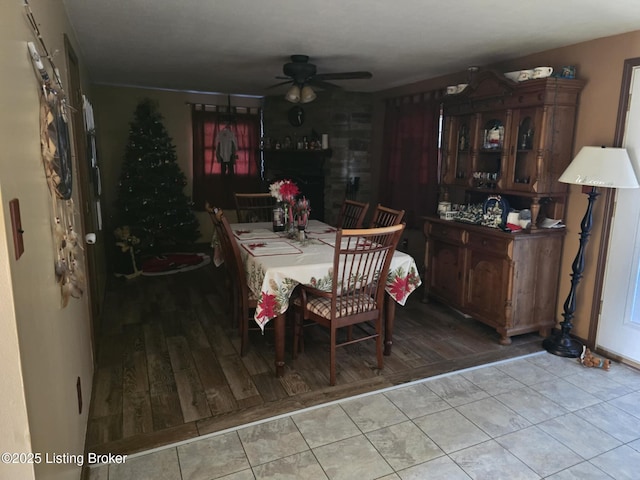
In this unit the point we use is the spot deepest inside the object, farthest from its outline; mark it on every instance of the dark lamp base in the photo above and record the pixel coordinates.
(563, 346)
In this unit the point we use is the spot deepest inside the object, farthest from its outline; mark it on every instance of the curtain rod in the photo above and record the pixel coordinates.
(228, 102)
(198, 104)
(225, 108)
(417, 97)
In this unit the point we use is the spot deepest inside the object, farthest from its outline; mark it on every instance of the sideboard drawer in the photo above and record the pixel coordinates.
(446, 232)
(489, 243)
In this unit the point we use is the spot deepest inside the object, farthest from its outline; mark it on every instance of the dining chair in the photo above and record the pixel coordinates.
(356, 299)
(221, 254)
(244, 301)
(351, 214)
(385, 217)
(254, 207)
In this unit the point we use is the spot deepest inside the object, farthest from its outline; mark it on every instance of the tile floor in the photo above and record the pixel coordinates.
(538, 416)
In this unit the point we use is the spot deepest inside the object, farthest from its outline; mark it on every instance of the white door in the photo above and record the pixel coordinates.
(619, 324)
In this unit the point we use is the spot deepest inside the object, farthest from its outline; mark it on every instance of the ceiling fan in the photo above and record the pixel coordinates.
(303, 75)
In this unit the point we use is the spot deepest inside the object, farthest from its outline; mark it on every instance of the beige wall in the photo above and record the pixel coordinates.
(54, 344)
(13, 416)
(114, 108)
(599, 63)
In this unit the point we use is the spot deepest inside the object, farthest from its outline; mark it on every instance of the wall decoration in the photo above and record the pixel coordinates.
(296, 116)
(54, 137)
(57, 162)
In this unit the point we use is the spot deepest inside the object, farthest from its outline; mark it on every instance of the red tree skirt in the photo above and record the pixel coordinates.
(174, 263)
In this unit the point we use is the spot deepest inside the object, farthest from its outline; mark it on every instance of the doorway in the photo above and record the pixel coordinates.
(619, 323)
(88, 196)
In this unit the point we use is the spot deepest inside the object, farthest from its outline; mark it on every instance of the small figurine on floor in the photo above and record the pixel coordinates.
(588, 360)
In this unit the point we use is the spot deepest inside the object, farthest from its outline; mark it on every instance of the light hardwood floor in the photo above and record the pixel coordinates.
(168, 366)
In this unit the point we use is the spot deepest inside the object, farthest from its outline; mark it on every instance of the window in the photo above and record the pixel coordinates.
(225, 155)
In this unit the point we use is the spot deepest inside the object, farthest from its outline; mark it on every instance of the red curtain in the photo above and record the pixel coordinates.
(209, 183)
(409, 175)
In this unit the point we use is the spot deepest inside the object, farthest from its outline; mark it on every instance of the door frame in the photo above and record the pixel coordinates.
(84, 182)
(609, 195)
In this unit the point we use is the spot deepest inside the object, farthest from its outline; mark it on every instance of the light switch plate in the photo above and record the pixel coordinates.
(16, 227)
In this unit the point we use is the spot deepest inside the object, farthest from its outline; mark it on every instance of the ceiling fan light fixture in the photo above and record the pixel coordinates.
(307, 94)
(293, 94)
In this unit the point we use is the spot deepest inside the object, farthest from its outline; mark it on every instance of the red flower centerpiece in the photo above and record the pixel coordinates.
(285, 192)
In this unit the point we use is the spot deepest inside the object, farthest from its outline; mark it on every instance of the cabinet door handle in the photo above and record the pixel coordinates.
(484, 242)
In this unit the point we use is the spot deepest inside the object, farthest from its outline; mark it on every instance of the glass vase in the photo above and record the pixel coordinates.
(290, 223)
(279, 217)
(302, 220)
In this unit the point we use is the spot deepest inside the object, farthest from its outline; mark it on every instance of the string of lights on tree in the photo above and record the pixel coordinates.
(151, 201)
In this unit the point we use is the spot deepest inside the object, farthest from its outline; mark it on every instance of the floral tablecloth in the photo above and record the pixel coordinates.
(275, 265)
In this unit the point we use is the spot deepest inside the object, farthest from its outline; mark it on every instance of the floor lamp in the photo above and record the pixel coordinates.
(595, 167)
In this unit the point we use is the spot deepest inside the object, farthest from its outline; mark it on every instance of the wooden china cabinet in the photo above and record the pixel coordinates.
(513, 140)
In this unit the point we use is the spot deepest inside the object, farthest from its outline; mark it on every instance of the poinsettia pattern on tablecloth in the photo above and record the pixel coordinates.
(275, 288)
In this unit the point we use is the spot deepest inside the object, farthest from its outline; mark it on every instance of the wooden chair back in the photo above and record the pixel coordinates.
(360, 267)
(243, 299)
(254, 207)
(385, 217)
(361, 258)
(352, 214)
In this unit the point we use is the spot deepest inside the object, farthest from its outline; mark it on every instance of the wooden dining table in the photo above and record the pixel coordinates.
(276, 264)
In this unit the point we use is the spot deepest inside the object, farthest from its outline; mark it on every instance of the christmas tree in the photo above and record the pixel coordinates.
(151, 201)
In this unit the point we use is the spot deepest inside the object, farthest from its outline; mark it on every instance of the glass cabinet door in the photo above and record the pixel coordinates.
(491, 160)
(525, 151)
(459, 137)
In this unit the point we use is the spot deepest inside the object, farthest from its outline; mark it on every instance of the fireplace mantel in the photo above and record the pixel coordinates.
(305, 167)
(310, 162)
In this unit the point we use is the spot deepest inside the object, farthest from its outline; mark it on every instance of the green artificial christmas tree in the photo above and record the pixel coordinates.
(151, 201)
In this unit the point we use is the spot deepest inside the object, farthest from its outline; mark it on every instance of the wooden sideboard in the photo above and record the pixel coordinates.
(512, 140)
(507, 280)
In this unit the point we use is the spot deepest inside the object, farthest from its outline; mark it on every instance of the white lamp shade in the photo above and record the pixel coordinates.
(293, 94)
(601, 167)
(307, 94)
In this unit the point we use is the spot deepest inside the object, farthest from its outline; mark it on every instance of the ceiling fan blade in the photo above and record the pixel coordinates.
(343, 76)
(279, 84)
(315, 82)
